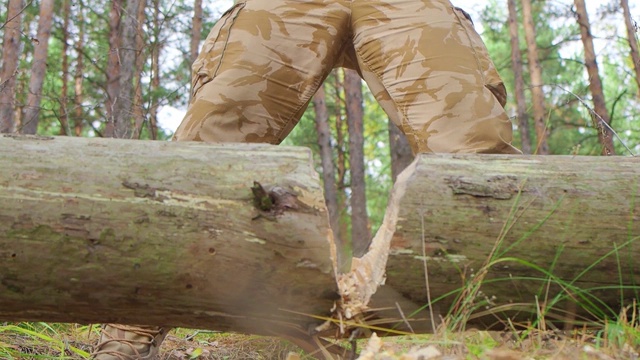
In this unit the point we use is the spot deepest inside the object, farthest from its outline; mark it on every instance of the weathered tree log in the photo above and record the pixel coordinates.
(576, 218)
(97, 230)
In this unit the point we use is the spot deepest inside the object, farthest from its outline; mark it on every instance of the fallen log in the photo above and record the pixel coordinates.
(557, 236)
(104, 230)
(236, 237)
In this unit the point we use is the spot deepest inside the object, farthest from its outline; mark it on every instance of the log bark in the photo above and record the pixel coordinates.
(182, 234)
(105, 230)
(575, 218)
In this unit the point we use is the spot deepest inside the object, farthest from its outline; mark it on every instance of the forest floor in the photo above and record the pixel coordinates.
(69, 341)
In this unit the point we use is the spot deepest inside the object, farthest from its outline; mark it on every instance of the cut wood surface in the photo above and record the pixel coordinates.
(143, 232)
(574, 218)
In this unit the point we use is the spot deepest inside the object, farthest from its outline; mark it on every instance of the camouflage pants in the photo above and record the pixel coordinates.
(422, 59)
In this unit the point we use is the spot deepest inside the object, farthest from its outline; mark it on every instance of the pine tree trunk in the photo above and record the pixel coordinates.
(341, 162)
(633, 41)
(38, 68)
(360, 234)
(516, 65)
(400, 150)
(537, 94)
(196, 33)
(9, 70)
(601, 119)
(328, 171)
(138, 106)
(113, 66)
(155, 72)
(123, 108)
(64, 100)
(78, 76)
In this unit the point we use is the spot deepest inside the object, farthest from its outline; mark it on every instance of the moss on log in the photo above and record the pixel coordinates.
(552, 232)
(104, 230)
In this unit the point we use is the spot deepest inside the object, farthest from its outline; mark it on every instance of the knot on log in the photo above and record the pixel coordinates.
(276, 200)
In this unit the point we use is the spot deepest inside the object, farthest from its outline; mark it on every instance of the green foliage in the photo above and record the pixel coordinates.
(567, 95)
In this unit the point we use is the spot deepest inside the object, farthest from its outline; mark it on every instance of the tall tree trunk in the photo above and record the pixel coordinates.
(633, 41)
(79, 71)
(328, 171)
(601, 120)
(64, 100)
(400, 150)
(537, 95)
(113, 65)
(360, 234)
(122, 110)
(10, 54)
(196, 32)
(516, 65)
(155, 71)
(341, 163)
(138, 107)
(38, 68)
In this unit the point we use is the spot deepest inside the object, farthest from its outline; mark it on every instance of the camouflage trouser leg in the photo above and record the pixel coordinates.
(423, 60)
(259, 68)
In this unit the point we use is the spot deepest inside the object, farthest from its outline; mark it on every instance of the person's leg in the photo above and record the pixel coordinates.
(259, 68)
(431, 73)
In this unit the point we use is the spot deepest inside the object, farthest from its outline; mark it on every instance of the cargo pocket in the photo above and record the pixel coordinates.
(206, 66)
(492, 79)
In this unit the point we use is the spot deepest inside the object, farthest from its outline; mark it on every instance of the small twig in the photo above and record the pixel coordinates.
(18, 14)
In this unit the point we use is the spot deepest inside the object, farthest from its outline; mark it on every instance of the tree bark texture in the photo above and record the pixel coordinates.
(8, 72)
(141, 59)
(38, 68)
(633, 41)
(123, 106)
(143, 232)
(328, 172)
(78, 76)
(64, 101)
(576, 218)
(400, 150)
(601, 118)
(518, 78)
(156, 50)
(196, 31)
(113, 65)
(535, 71)
(360, 234)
